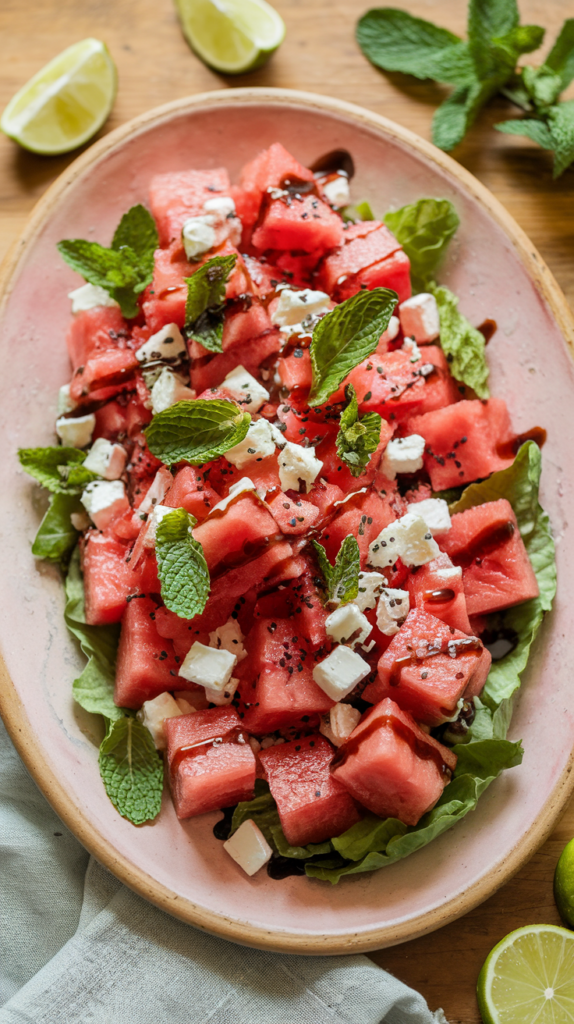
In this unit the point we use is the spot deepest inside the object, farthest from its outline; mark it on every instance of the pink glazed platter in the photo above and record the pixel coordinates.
(181, 867)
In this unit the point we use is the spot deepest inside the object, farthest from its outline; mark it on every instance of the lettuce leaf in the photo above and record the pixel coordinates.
(424, 230)
(463, 345)
(262, 809)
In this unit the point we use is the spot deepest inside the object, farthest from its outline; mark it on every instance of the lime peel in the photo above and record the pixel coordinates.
(231, 36)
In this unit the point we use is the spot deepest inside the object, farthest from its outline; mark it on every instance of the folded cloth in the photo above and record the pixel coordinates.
(77, 947)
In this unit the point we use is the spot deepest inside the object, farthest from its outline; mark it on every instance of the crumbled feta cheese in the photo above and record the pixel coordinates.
(208, 667)
(218, 222)
(408, 538)
(198, 236)
(106, 459)
(410, 346)
(65, 401)
(297, 463)
(435, 513)
(346, 622)
(450, 572)
(222, 697)
(350, 496)
(76, 432)
(420, 318)
(90, 296)
(222, 206)
(340, 672)
(153, 714)
(294, 306)
(391, 331)
(104, 500)
(370, 586)
(80, 521)
(336, 191)
(338, 724)
(403, 455)
(229, 638)
(158, 513)
(156, 491)
(392, 610)
(167, 344)
(258, 443)
(250, 394)
(278, 436)
(239, 487)
(169, 389)
(249, 847)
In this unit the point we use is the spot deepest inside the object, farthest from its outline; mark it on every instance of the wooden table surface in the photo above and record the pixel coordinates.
(319, 54)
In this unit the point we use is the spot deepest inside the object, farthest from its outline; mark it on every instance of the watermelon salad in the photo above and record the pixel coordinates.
(302, 545)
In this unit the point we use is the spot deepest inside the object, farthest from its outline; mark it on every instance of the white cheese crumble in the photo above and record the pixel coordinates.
(258, 443)
(403, 455)
(419, 318)
(450, 572)
(346, 622)
(370, 586)
(338, 724)
(239, 487)
(435, 513)
(153, 714)
(198, 236)
(167, 390)
(408, 538)
(250, 394)
(158, 513)
(208, 667)
(410, 346)
(248, 847)
(336, 191)
(167, 344)
(392, 610)
(65, 401)
(229, 638)
(217, 223)
(340, 672)
(76, 432)
(391, 331)
(104, 500)
(106, 459)
(90, 296)
(221, 697)
(294, 306)
(297, 463)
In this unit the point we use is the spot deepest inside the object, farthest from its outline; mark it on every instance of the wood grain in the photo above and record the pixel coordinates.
(320, 54)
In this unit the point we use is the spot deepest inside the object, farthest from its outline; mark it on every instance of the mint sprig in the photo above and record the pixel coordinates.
(58, 469)
(132, 770)
(341, 579)
(196, 431)
(181, 565)
(205, 303)
(358, 437)
(424, 230)
(346, 336)
(125, 269)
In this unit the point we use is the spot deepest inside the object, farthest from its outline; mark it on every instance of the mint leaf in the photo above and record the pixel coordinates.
(204, 307)
(346, 336)
(358, 437)
(561, 57)
(455, 116)
(538, 131)
(424, 230)
(542, 85)
(196, 431)
(396, 41)
(52, 467)
(342, 578)
(137, 231)
(132, 770)
(181, 565)
(561, 124)
(462, 344)
(488, 19)
(56, 537)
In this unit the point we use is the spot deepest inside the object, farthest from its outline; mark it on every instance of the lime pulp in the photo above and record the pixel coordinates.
(231, 36)
(528, 978)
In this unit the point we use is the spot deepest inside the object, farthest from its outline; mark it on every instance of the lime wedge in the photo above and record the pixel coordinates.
(564, 885)
(231, 36)
(529, 977)
(66, 102)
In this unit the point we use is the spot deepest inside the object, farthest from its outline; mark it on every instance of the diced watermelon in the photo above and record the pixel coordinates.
(271, 167)
(203, 775)
(243, 325)
(437, 588)
(307, 609)
(109, 580)
(249, 355)
(293, 515)
(486, 542)
(363, 516)
(265, 276)
(177, 195)
(247, 199)
(295, 369)
(440, 389)
(363, 245)
(104, 369)
(324, 495)
(299, 268)
(164, 300)
(305, 223)
(229, 539)
(391, 766)
(394, 272)
(428, 667)
(146, 664)
(312, 804)
(388, 384)
(190, 492)
(336, 471)
(463, 441)
(94, 330)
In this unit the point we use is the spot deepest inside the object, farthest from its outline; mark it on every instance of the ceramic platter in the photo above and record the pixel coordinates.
(181, 867)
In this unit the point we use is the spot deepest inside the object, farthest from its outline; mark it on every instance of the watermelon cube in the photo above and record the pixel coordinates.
(109, 579)
(210, 761)
(394, 272)
(363, 516)
(440, 386)
(109, 368)
(94, 330)
(295, 369)
(230, 538)
(428, 667)
(191, 493)
(178, 195)
(298, 222)
(312, 804)
(365, 244)
(293, 515)
(437, 588)
(496, 570)
(391, 766)
(147, 664)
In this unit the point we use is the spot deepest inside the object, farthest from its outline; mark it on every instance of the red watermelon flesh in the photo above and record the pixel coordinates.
(244, 324)
(177, 195)
(389, 384)
(428, 667)
(363, 516)
(295, 369)
(164, 300)
(271, 167)
(204, 776)
(229, 538)
(440, 389)
(109, 580)
(146, 664)
(437, 588)
(324, 495)
(298, 267)
(463, 441)
(394, 272)
(95, 330)
(247, 199)
(496, 571)
(307, 609)
(391, 766)
(293, 515)
(306, 223)
(364, 245)
(104, 369)
(337, 471)
(191, 494)
(312, 804)
(250, 354)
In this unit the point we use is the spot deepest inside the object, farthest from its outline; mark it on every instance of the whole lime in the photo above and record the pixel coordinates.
(564, 885)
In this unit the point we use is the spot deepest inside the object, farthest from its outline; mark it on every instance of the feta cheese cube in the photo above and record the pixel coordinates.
(339, 672)
(90, 296)
(104, 500)
(348, 622)
(218, 222)
(370, 586)
(403, 455)
(297, 463)
(408, 538)
(166, 344)
(419, 318)
(106, 459)
(336, 191)
(338, 724)
(392, 610)
(76, 432)
(198, 236)
(450, 572)
(153, 714)
(435, 513)
(221, 206)
(258, 443)
(249, 393)
(208, 667)
(65, 401)
(391, 331)
(249, 847)
(386, 548)
(229, 638)
(294, 306)
(410, 346)
(241, 486)
(167, 390)
(158, 513)
(221, 697)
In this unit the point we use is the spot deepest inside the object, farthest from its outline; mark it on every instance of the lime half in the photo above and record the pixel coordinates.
(564, 885)
(529, 977)
(231, 36)
(66, 102)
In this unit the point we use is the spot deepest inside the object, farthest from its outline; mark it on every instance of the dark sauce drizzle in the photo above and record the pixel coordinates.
(508, 449)
(336, 160)
(222, 828)
(454, 648)
(487, 329)
(484, 543)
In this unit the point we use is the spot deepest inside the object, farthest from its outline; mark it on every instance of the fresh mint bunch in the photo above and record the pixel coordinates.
(205, 304)
(477, 68)
(197, 431)
(342, 578)
(124, 270)
(358, 437)
(181, 565)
